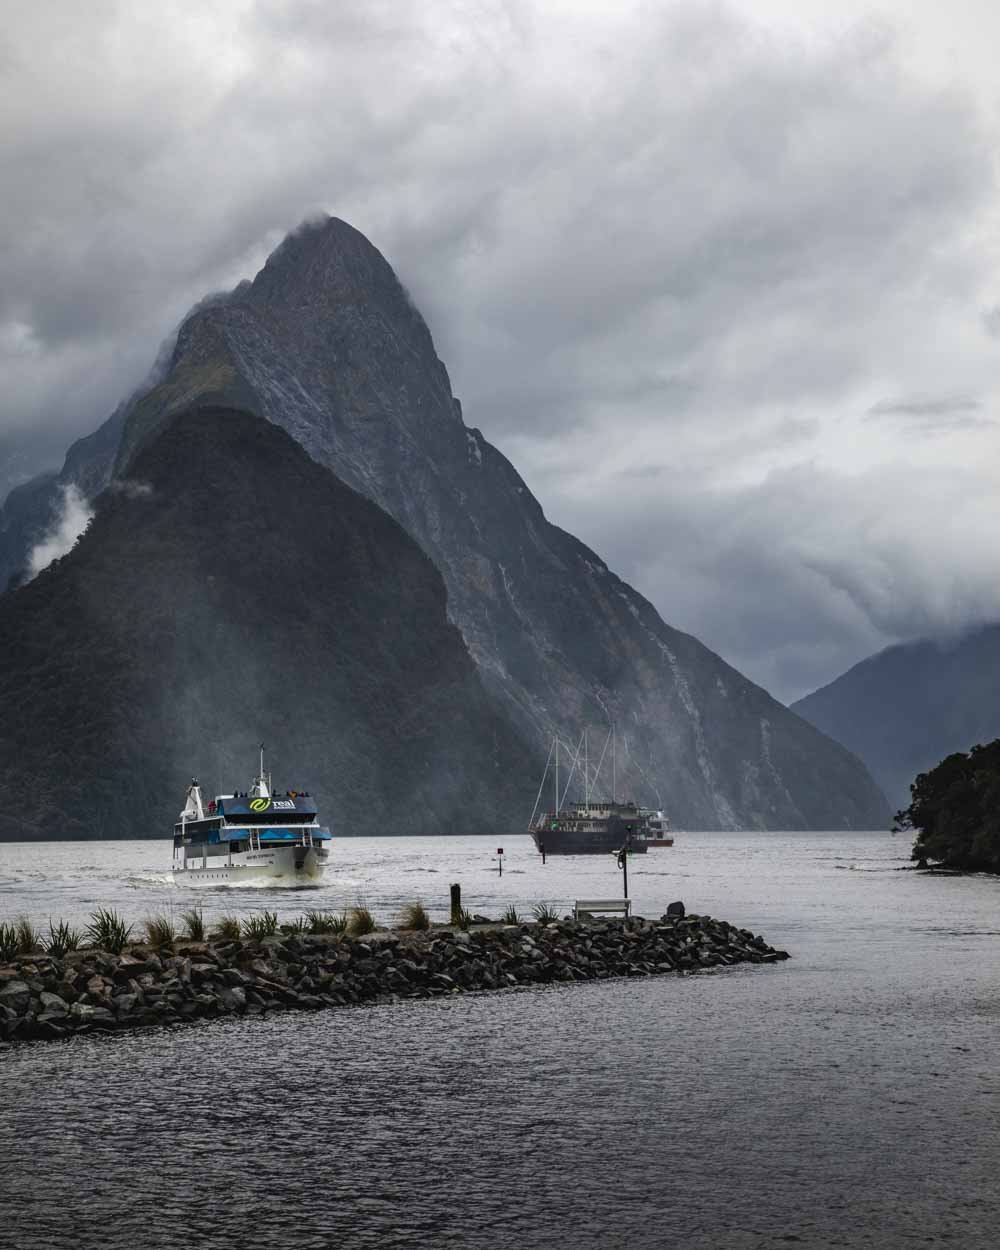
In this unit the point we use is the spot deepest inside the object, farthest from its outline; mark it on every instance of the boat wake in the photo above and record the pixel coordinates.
(142, 879)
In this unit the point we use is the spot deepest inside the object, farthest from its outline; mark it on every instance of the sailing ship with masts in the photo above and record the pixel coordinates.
(596, 825)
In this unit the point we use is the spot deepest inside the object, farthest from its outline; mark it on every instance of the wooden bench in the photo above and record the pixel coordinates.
(590, 906)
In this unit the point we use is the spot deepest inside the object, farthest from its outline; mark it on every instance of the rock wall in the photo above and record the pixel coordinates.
(44, 997)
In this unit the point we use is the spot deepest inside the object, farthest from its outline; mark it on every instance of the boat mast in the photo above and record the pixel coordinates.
(614, 772)
(557, 775)
(586, 767)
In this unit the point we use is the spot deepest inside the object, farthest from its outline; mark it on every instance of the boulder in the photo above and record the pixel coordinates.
(16, 995)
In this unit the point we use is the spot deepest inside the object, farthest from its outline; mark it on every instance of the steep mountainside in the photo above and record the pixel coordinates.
(232, 591)
(326, 343)
(905, 709)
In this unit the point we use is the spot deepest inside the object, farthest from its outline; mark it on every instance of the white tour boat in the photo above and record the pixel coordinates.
(250, 837)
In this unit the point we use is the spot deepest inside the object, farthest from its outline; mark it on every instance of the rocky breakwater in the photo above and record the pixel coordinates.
(92, 990)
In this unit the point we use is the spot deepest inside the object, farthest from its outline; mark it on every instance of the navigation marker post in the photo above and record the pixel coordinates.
(500, 860)
(623, 857)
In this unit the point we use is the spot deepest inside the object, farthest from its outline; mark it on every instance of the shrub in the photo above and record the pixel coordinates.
(227, 928)
(194, 923)
(325, 922)
(159, 931)
(108, 931)
(62, 938)
(261, 926)
(360, 921)
(545, 913)
(8, 941)
(510, 916)
(28, 937)
(414, 916)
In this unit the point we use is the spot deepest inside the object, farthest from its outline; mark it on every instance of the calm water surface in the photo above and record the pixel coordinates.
(847, 1098)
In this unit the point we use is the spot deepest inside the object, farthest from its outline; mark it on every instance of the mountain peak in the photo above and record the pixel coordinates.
(326, 344)
(325, 261)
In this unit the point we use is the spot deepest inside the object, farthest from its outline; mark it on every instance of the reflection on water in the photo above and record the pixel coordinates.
(847, 1098)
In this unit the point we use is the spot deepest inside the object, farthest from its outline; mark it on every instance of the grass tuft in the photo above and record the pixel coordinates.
(227, 928)
(360, 921)
(261, 925)
(545, 913)
(510, 916)
(194, 924)
(159, 931)
(464, 918)
(414, 916)
(28, 937)
(8, 942)
(292, 927)
(62, 938)
(326, 922)
(108, 931)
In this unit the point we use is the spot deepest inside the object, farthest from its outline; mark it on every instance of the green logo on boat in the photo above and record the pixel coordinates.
(259, 805)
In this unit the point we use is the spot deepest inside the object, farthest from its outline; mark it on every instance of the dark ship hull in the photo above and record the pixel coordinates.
(589, 830)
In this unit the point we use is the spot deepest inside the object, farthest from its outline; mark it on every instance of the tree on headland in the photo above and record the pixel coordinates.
(955, 811)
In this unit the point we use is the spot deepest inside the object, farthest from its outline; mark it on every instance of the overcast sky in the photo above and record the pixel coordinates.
(721, 279)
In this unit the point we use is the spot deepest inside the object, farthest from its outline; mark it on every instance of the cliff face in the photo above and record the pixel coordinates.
(326, 343)
(232, 591)
(903, 710)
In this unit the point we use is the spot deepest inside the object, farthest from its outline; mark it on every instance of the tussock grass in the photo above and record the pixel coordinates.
(510, 916)
(108, 931)
(326, 922)
(8, 941)
(299, 925)
(545, 913)
(227, 928)
(194, 924)
(28, 937)
(159, 931)
(262, 925)
(414, 916)
(464, 918)
(360, 921)
(62, 938)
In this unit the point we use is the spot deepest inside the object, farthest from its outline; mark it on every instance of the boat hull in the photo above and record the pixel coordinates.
(293, 866)
(585, 842)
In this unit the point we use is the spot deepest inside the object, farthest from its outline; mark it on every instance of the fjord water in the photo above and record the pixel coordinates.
(846, 1098)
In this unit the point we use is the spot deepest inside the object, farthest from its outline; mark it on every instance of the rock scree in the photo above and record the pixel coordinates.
(85, 991)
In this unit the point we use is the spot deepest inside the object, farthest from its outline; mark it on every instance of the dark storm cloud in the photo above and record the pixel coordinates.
(667, 245)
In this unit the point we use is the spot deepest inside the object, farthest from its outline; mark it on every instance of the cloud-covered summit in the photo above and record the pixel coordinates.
(674, 258)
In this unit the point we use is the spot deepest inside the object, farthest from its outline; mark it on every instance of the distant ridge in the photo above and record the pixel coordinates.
(910, 705)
